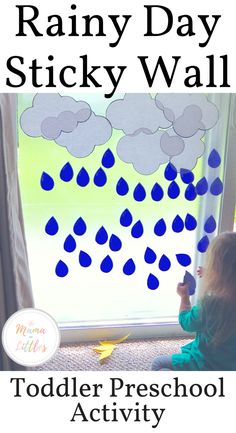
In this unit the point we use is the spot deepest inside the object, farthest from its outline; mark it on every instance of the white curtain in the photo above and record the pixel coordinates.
(15, 284)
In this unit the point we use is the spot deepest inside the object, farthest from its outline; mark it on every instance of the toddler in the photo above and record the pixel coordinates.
(213, 319)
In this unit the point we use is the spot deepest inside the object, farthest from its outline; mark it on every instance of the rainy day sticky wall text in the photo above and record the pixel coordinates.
(159, 68)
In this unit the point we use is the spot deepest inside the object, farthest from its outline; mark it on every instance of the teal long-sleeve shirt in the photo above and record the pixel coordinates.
(201, 354)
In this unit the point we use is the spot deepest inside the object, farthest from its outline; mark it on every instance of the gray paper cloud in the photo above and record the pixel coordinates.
(193, 149)
(146, 152)
(188, 112)
(167, 128)
(143, 151)
(82, 140)
(68, 122)
(171, 145)
(150, 141)
(136, 111)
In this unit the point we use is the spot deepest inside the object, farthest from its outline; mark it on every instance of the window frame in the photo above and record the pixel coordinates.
(228, 204)
(165, 327)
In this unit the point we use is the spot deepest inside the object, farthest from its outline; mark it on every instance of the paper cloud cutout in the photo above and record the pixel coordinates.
(146, 151)
(168, 128)
(188, 112)
(189, 122)
(68, 122)
(171, 145)
(143, 151)
(82, 140)
(137, 111)
(193, 149)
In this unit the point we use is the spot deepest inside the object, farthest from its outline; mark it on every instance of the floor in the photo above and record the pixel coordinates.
(133, 355)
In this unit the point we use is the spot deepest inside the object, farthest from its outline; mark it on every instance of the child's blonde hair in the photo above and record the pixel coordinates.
(219, 285)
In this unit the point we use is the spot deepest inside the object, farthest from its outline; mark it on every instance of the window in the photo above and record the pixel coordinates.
(115, 218)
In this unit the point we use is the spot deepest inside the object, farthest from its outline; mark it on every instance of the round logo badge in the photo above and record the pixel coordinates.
(30, 337)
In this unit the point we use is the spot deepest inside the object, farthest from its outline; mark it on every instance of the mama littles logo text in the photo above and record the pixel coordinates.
(30, 337)
(28, 341)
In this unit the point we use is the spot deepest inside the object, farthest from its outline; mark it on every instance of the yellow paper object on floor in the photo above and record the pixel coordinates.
(106, 347)
(115, 341)
(106, 354)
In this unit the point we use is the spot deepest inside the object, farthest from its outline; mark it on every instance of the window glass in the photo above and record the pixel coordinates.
(120, 198)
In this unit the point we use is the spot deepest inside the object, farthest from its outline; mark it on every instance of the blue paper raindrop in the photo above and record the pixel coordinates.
(129, 267)
(106, 265)
(108, 159)
(126, 218)
(52, 227)
(84, 259)
(122, 187)
(137, 230)
(83, 177)
(61, 269)
(115, 243)
(173, 190)
(178, 224)
(157, 192)
(66, 173)
(152, 282)
(170, 172)
(164, 263)
(191, 282)
(190, 192)
(150, 256)
(69, 244)
(210, 225)
(184, 259)
(214, 159)
(187, 176)
(139, 192)
(100, 178)
(80, 227)
(46, 182)
(203, 244)
(160, 227)
(216, 187)
(101, 236)
(202, 186)
(190, 222)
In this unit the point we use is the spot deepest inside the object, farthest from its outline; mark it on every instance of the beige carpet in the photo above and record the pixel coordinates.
(132, 355)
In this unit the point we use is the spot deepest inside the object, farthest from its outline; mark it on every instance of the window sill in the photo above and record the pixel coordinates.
(78, 333)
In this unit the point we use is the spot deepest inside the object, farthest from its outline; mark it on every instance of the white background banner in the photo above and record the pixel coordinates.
(131, 46)
(111, 401)
(134, 46)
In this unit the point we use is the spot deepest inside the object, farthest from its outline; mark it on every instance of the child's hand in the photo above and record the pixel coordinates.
(182, 290)
(200, 271)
